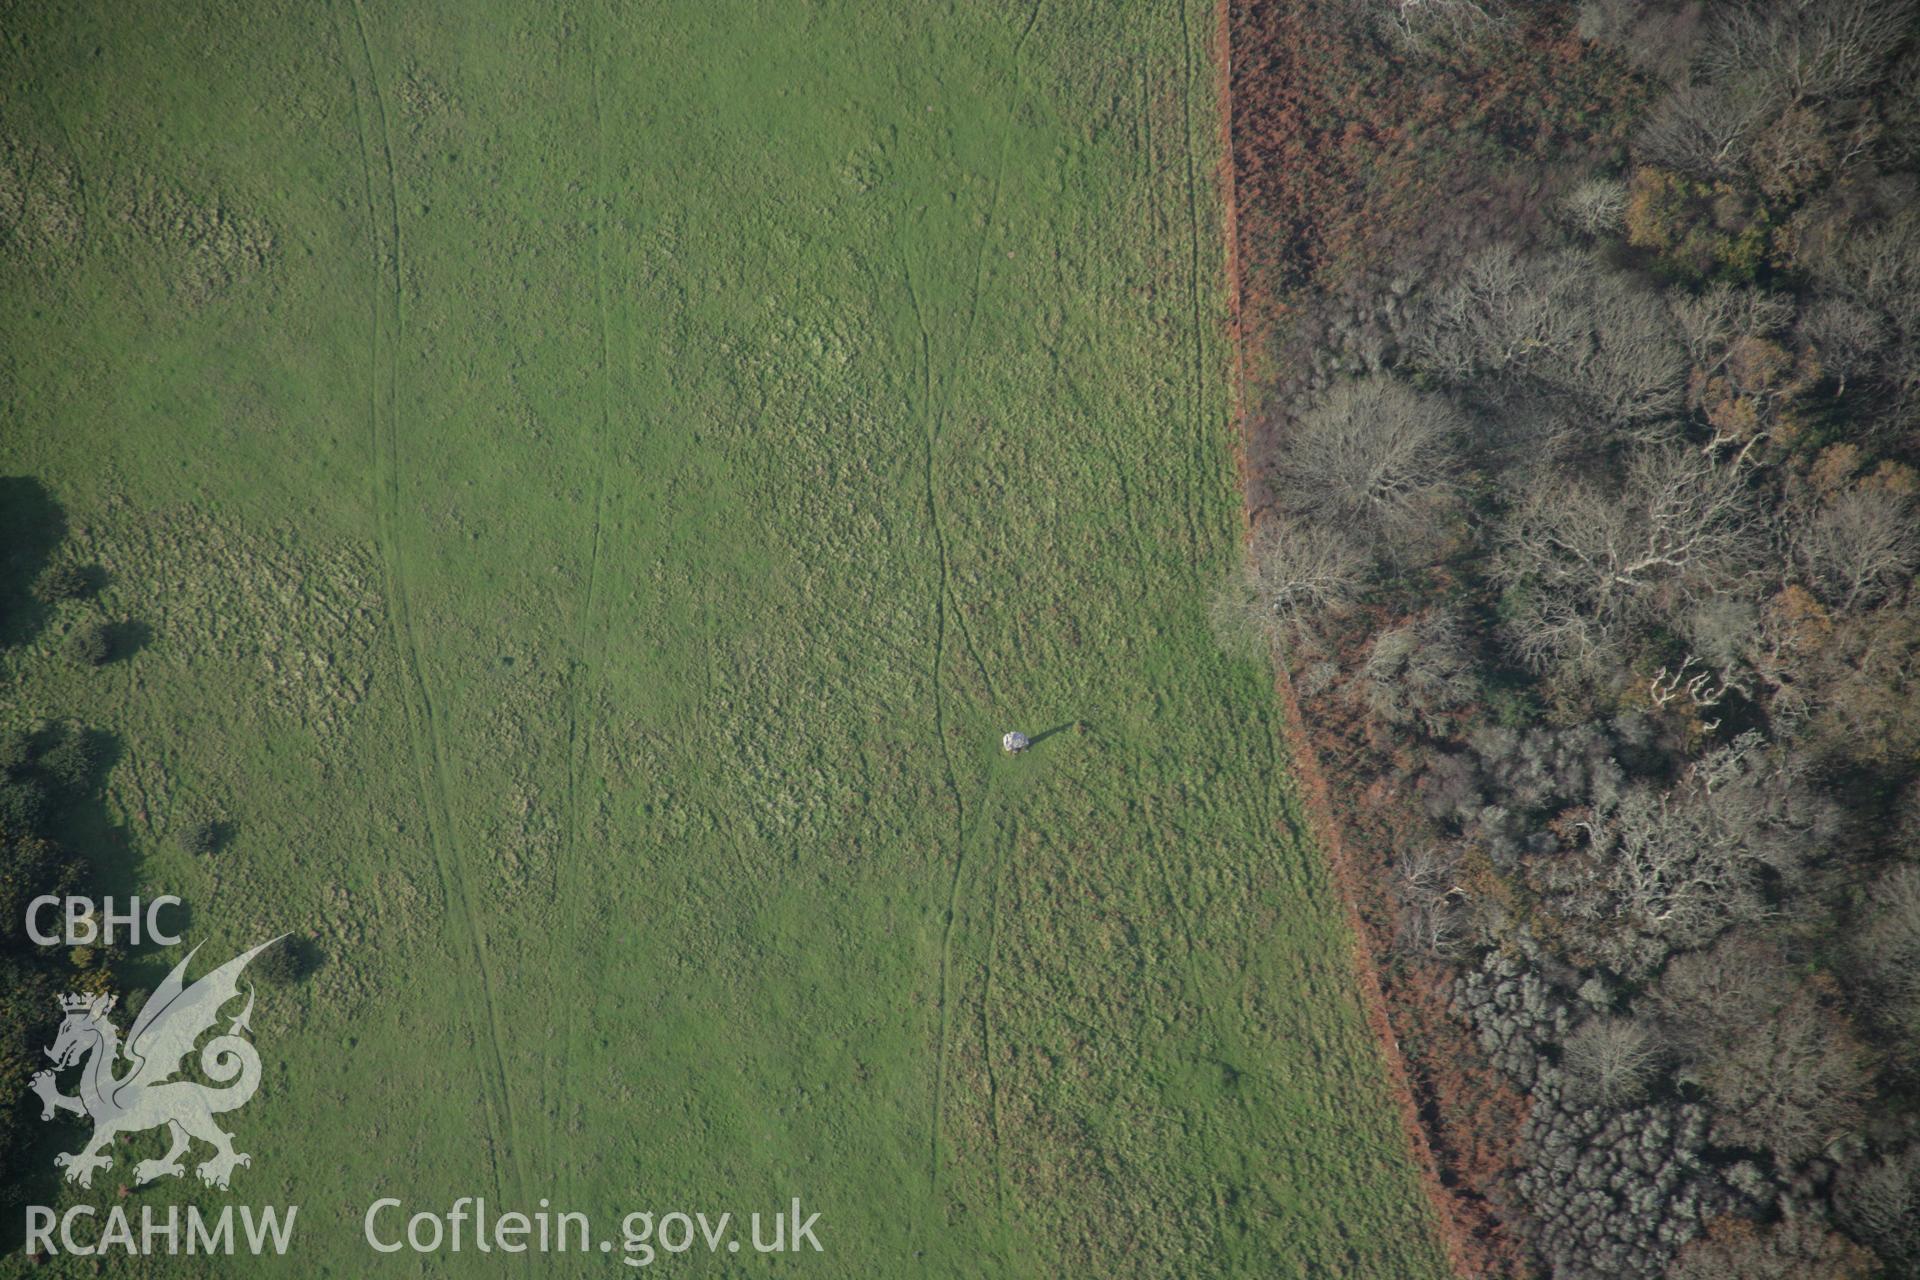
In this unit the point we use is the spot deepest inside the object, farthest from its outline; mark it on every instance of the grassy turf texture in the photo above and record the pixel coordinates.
(597, 481)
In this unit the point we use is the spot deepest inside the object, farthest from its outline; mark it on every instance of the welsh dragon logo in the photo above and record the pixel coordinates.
(148, 1094)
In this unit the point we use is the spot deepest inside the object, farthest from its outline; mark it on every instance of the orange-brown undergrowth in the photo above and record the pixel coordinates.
(1349, 160)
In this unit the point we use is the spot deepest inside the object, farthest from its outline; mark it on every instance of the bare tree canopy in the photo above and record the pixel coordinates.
(1712, 320)
(1428, 890)
(1804, 48)
(1792, 1084)
(1596, 206)
(1757, 61)
(1581, 564)
(1609, 1059)
(1887, 957)
(1375, 454)
(1561, 320)
(1681, 866)
(1847, 337)
(1797, 1248)
(1787, 1073)
(1707, 129)
(1417, 673)
(1295, 569)
(1879, 1201)
(1860, 546)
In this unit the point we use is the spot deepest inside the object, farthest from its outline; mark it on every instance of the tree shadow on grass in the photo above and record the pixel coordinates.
(124, 639)
(296, 958)
(32, 525)
(69, 763)
(83, 824)
(1079, 726)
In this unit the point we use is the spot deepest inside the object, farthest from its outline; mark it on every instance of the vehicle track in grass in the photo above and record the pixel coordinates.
(422, 727)
(939, 715)
(1198, 418)
(589, 645)
(986, 1023)
(1190, 143)
(944, 596)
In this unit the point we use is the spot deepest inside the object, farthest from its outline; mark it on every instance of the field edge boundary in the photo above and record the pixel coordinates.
(1319, 823)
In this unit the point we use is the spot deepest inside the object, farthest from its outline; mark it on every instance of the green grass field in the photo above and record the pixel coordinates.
(599, 480)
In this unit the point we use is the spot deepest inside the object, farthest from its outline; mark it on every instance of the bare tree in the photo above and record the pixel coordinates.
(1630, 371)
(1431, 902)
(1610, 1059)
(1800, 147)
(1860, 546)
(1804, 49)
(1682, 866)
(1658, 38)
(1581, 563)
(1704, 997)
(1596, 206)
(1785, 655)
(1899, 99)
(1720, 630)
(1558, 320)
(1691, 517)
(1418, 22)
(1847, 338)
(1792, 1085)
(1758, 60)
(1891, 942)
(1559, 632)
(1879, 1202)
(1707, 129)
(1887, 953)
(1712, 320)
(1375, 455)
(1690, 685)
(1676, 881)
(1785, 1071)
(1502, 310)
(1865, 247)
(1296, 570)
(1417, 673)
(1798, 1247)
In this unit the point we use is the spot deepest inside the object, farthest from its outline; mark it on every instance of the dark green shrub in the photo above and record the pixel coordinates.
(63, 582)
(16, 751)
(286, 961)
(72, 760)
(23, 807)
(91, 645)
(202, 836)
(29, 867)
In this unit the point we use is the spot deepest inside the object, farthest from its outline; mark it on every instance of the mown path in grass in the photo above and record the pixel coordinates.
(602, 479)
